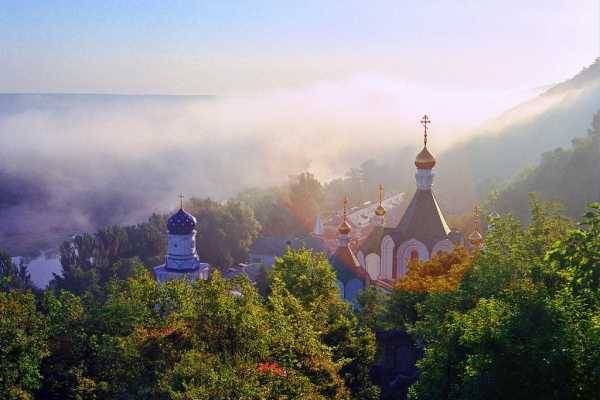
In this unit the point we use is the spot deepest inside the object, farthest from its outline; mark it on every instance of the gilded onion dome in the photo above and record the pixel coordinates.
(344, 227)
(424, 159)
(475, 238)
(380, 211)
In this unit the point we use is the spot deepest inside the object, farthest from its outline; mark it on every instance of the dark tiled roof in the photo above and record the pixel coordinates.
(423, 220)
(277, 245)
(346, 265)
(372, 244)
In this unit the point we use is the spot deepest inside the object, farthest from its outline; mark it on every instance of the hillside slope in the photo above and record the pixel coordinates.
(503, 147)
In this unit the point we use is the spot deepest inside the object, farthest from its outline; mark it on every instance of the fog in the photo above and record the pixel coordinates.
(76, 162)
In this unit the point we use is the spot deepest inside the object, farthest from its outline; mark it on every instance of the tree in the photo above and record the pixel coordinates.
(272, 211)
(22, 345)
(305, 198)
(571, 176)
(310, 279)
(514, 327)
(13, 276)
(225, 231)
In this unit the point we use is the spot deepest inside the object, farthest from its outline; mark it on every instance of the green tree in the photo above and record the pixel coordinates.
(305, 196)
(22, 345)
(310, 278)
(13, 276)
(515, 327)
(225, 231)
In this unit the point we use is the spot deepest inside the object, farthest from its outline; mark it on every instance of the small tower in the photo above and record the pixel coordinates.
(350, 276)
(181, 260)
(424, 162)
(380, 211)
(344, 228)
(475, 238)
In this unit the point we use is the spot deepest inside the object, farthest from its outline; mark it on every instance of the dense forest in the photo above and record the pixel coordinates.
(568, 176)
(517, 319)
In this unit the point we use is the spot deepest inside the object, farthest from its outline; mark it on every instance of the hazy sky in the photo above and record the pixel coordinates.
(246, 47)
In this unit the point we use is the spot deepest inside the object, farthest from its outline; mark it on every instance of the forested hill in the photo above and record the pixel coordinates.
(570, 176)
(501, 148)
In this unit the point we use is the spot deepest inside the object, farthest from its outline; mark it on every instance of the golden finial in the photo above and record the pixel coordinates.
(380, 211)
(180, 200)
(344, 227)
(425, 121)
(475, 238)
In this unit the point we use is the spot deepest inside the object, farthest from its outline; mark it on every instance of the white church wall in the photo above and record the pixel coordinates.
(373, 262)
(182, 245)
(387, 256)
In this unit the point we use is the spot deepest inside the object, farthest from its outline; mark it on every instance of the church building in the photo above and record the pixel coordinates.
(422, 232)
(351, 278)
(181, 261)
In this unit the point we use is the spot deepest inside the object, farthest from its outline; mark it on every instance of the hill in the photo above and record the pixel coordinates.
(503, 147)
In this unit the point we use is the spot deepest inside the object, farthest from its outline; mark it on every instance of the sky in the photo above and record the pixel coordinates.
(254, 47)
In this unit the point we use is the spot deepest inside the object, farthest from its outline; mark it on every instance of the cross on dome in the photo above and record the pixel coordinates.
(344, 227)
(425, 121)
(380, 211)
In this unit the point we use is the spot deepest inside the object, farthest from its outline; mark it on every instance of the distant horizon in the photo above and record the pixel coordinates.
(541, 87)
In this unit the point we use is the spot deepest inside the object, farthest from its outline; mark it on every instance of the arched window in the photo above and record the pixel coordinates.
(414, 255)
(409, 251)
(387, 257)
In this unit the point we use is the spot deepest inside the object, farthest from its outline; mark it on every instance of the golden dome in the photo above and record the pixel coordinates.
(344, 228)
(475, 238)
(380, 211)
(424, 159)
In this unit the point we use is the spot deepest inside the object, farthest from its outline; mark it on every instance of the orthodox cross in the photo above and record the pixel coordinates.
(180, 200)
(380, 193)
(424, 121)
(345, 205)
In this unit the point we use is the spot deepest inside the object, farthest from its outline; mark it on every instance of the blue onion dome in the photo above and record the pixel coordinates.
(181, 223)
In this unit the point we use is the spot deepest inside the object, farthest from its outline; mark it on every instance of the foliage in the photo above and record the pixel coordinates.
(515, 327)
(271, 209)
(181, 340)
(13, 276)
(89, 262)
(443, 273)
(571, 176)
(305, 198)
(225, 230)
(22, 345)
(310, 279)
